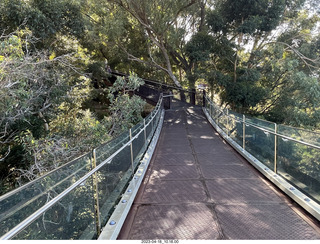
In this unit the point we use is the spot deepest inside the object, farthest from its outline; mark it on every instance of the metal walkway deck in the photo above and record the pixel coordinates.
(198, 187)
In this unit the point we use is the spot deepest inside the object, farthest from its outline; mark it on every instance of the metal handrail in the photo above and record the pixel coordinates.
(306, 198)
(18, 228)
(3, 197)
(9, 194)
(6, 195)
(154, 82)
(266, 130)
(41, 194)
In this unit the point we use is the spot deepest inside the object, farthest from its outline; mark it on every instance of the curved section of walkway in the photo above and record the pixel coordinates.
(198, 187)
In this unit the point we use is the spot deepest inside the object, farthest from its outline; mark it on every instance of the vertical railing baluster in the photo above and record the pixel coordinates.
(145, 131)
(96, 193)
(244, 132)
(152, 125)
(228, 130)
(275, 147)
(204, 98)
(131, 151)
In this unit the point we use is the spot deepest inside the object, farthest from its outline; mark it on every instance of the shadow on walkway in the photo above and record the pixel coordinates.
(198, 187)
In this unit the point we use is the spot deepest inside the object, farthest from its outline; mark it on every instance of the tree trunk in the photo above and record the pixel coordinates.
(235, 69)
(158, 41)
(174, 78)
(202, 15)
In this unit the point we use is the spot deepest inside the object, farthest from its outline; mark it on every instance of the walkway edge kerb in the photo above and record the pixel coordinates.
(303, 200)
(118, 217)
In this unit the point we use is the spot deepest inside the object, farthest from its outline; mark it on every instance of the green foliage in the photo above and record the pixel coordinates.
(216, 21)
(125, 85)
(243, 94)
(45, 18)
(248, 16)
(42, 123)
(125, 109)
(99, 73)
(200, 47)
(266, 73)
(12, 14)
(260, 56)
(51, 16)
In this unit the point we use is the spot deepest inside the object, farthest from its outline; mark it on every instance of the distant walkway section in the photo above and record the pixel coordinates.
(198, 187)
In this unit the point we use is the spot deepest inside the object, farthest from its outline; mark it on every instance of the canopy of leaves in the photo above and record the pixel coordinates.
(46, 18)
(248, 16)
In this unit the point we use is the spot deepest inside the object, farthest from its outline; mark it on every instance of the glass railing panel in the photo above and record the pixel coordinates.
(217, 115)
(236, 130)
(106, 150)
(300, 165)
(112, 179)
(137, 128)
(17, 207)
(261, 123)
(236, 115)
(158, 117)
(73, 217)
(138, 148)
(297, 161)
(207, 105)
(312, 137)
(149, 131)
(213, 111)
(218, 112)
(148, 118)
(260, 144)
(224, 120)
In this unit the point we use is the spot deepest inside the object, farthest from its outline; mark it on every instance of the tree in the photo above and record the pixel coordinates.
(291, 74)
(249, 75)
(147, 32)
(234, 46)
(125, 109)
(45, 18)
(35, 90)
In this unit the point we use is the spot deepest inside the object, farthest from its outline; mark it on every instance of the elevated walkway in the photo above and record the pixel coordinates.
(194, 185)
(198, 187)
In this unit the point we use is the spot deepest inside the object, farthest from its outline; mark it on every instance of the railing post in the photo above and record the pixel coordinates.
(152, 124)
(244, 132)
(131, 151)
(204, 98)
(228, 130)
(96, 194)
(162, 104)
(275, 147)
(192, 95)
(145, 131)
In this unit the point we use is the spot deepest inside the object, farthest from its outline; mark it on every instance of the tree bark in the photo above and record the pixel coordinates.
(202, 15)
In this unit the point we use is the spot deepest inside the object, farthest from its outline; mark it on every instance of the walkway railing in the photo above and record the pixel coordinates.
(76, 200)
(290, 157)
(152, 89)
